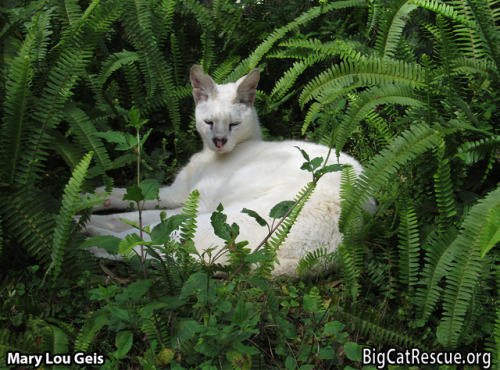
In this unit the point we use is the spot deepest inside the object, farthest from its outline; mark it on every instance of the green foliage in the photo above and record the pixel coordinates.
(410, 88)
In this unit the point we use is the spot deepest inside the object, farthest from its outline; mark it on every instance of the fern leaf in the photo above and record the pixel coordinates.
(364, 72)
(408, 248)
(404, 148)
(479, 233)
(156, 71)
(392, 26)
(22, 342)
(28, 217)
(55, 340)
(47, 111)
(444, 190)
(284, 229)
(96, 322)
(114, 62)
(68, 210)
(87, 135)
(367, 100)
(190, 209)
(473, 152)
(252, 61)
(17, 101)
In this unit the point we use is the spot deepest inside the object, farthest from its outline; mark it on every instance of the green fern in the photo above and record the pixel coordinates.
(27, 217)
(23, 342)
(409, 246)
(188, 227)
(315, 261)
(156, 72)
(17, 101)
(381, 330)
(86, 134)
(252, 61)
(367, 100)
(65, 217)
(96, 322)
(479, 233)
(444, 190)
(283, 230)
(363, 72)
(411, 143)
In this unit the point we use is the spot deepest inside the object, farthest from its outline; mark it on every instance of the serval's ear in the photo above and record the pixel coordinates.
(203, 85)
(247, 87)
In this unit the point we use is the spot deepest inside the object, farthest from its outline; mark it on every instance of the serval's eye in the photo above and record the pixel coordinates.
(209, 123)
(232, 125)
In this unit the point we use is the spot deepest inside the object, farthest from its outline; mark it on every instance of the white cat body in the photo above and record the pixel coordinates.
(239, 170)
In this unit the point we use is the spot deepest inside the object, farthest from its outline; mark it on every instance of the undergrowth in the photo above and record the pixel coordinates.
(409, 87)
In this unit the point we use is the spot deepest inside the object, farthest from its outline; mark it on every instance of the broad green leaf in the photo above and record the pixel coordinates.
(108, 242)
(353, 351)
(240, 313)
(255, 215)
(281, 209)
(161, 232)
(150, 189)
(123, 342)
(134, 193)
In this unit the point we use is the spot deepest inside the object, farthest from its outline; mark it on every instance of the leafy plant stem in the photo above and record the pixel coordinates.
(263, 242)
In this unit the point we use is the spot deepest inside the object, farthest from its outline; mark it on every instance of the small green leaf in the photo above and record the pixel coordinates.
(123, 342)
(239, 360)
(240, 313)
(304, 154)
(107, 242)
(353, 351)
(255, 215)
(134, 193)
(290, 363)
(333, 328)
(309, 303)
(161, 232)
(150, 189)
(112, 137)
(224, 306)
(281, 209)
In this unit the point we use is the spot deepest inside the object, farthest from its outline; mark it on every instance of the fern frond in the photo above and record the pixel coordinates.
(96, 322)
(68, 210)
(489, 32)
(381, 330)
(391, 27)
(28, 217)
(284, 229)
(178, 62)
(17, 101)
(190, 209)
(157, 73)
(367, 100)
(22, 342)
(62, 79)
(86, 134)
(114, 62)
(43, 37)
(55, 340)
(408, 246)
(350, 250)
(404, 148)
(252, 61)
(458, 295)
(444, 190)
(475, 151)
(438, 259)
(315, 261)
(364, 72)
